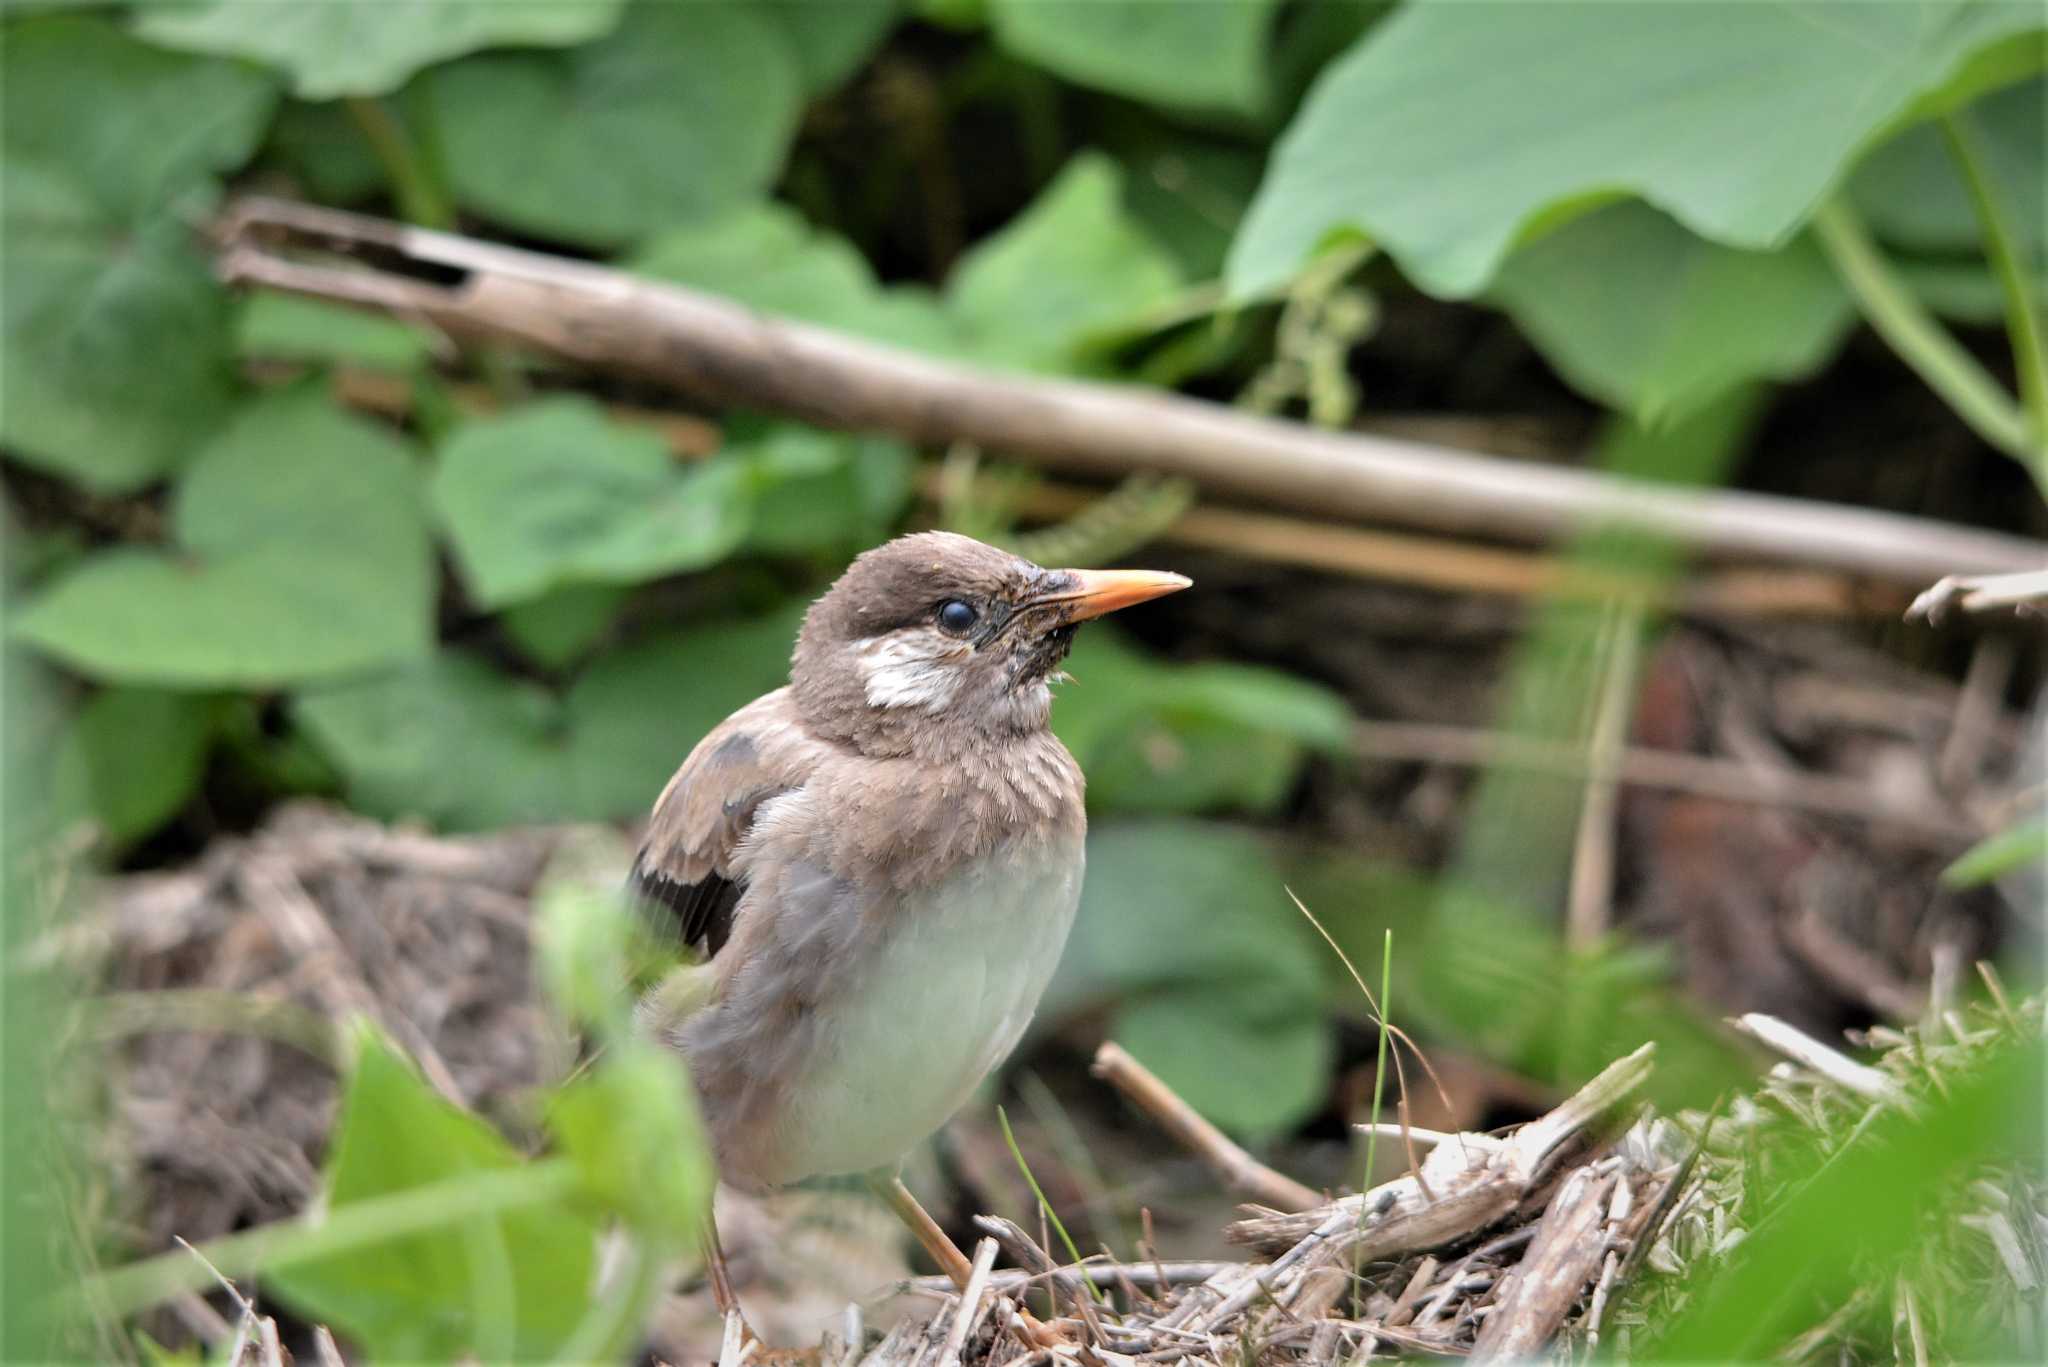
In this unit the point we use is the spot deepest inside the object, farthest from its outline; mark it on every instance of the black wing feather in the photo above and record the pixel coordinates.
(702, 911)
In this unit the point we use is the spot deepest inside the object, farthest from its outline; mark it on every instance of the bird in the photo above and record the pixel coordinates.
(879, 863)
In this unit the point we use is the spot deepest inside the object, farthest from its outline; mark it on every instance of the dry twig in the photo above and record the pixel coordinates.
(1241, 1171)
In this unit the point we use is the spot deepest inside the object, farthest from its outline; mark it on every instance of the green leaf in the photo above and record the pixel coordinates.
(831, 38)
(132, 757)
(563, 624)
(1187, 193)
(1187, 926)
(287, 327)
(586, 933)
(334, 48)
(1072, 264)
(458, 744)
(1964, 290)
(117, 118)
(1070, 270)
(1187, 738)
(1240, 1055)
(302, 552)
(1912, 196)
(1734, 118)
(682, 112)
(2024, 844)
(1210, 55)
(822, 491)
(767, 257)
(438, 1296)
(323, 147)
(631, 1125)
(114, 339)
(1645, 317)
(555, 494)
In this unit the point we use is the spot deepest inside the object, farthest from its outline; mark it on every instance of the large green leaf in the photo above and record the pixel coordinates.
(131, 127)
(131, 757)
(766, 257)
(455, 742)
(683, 111)
(115, 337)
(438, 1296)
(1067, 272)
(1646, 317)
(302, 552)
(831, 38)
(332, 48)
(1913, 197)
(1187, 738)
(556, 494)
(1206, 55)
(1187, 192)
(559, 627)
(1187, 927)
(1072, 264)
(820, 492)
(1071, 268)
(1451, 130)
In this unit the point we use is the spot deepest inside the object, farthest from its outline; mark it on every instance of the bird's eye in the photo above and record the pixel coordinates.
(957, 617)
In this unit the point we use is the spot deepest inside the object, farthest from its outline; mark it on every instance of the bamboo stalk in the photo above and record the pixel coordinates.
(730, 355)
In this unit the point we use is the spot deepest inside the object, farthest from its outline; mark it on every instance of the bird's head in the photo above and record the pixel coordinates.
(939, 634)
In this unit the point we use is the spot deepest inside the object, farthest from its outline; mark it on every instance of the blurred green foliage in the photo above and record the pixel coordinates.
(491, 1286)
(529, 610)
(1736, 119)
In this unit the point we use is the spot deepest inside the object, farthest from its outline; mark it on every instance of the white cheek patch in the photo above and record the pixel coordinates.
(918, 668)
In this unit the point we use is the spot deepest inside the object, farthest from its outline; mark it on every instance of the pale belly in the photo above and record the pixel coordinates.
(934, 1010)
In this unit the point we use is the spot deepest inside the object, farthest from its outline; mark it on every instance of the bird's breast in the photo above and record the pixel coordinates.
(926, 1008)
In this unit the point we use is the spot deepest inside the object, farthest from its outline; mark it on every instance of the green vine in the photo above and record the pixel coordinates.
(421, 196)
(2022, 313)
(1919, 338)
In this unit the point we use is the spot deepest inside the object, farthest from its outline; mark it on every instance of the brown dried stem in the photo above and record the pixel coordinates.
(729, 355)
(1238, 1169)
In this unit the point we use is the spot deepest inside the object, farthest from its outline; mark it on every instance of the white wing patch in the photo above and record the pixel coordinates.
(912, 668)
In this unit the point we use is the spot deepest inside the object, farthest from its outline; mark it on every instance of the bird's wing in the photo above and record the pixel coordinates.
(686, 861)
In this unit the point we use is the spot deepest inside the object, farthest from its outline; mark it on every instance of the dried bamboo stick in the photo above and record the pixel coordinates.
(727, 354)
(1239, 1169)
(1675, 771)
(1433, 562)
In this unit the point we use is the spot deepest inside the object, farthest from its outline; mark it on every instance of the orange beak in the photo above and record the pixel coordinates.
(1096, 592)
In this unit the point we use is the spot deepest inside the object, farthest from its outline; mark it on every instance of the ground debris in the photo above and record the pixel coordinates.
(1585, 1228)
(319, 915)
(1591, 1224)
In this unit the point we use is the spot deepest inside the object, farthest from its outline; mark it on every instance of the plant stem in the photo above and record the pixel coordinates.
(421, 197)
(1382, 1008)
(1058, 1227)
(2022, 312)
(1921, 341)
(377, 1220)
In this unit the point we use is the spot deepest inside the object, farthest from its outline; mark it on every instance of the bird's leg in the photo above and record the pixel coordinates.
(944, 1251)
(720, 1276)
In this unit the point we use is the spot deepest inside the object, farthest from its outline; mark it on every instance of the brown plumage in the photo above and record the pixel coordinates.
(881, 860)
